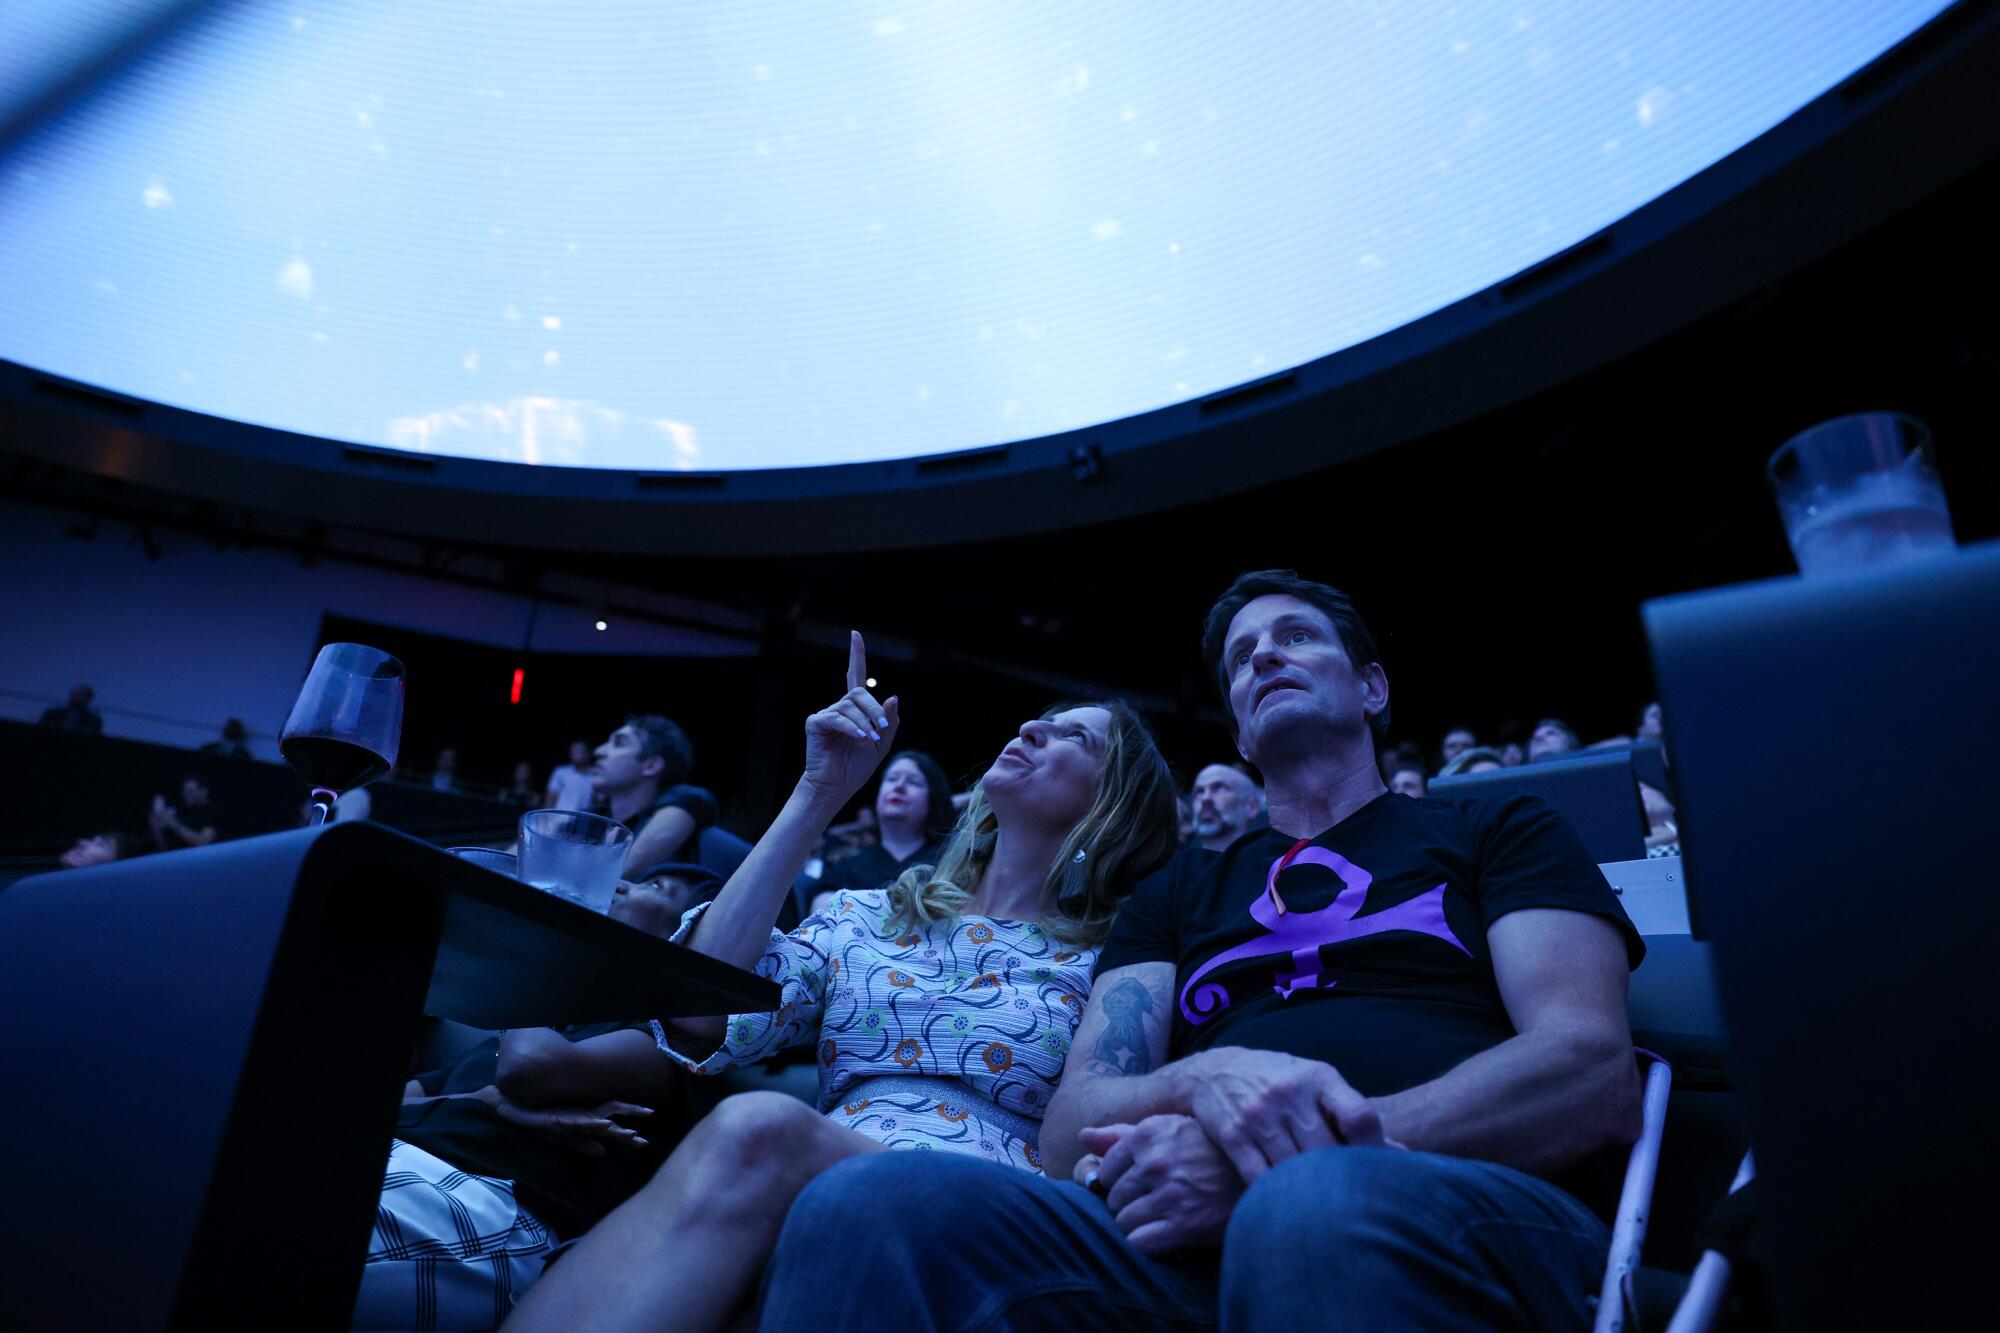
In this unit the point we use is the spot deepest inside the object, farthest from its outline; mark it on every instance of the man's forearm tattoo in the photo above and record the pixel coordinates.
(1124, 1046)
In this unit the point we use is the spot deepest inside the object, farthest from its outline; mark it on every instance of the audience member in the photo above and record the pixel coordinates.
(1479, 759)
(189, 824)
(1651, 723)
(912, 816)
(1278, 1105)
(520, 1143)
(658, 897)
(941, 1016)
(96, 850)
(1408, 780)
(855, 834)
(1512, 755)
(77, 714)
(522, 791)
(1552, 736)
(1456, 742)
(1393, 757)
(234, 742)
(1663, 835)
(641, 773)
(571, 786)
(1227, 804)
(444, 774)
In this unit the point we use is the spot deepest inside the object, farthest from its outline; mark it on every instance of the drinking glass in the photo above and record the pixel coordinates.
(574, 855)
(503, 862)
(347, 724)
(1859, 491)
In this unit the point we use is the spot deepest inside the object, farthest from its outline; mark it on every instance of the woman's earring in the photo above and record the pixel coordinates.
(1074, 896)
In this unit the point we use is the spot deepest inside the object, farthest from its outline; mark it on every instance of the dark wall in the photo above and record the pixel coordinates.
(744, 716)
(65, 785)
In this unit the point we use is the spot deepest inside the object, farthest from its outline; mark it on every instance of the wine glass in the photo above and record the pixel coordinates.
(344, 730)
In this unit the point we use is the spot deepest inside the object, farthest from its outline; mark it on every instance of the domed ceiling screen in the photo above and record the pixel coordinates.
(615, 234)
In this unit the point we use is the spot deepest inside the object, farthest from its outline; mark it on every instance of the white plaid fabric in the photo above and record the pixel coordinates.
(451, 1250)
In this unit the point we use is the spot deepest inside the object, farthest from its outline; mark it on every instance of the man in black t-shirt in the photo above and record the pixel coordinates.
(1368, 1067)
(191, 823)
(642, 775)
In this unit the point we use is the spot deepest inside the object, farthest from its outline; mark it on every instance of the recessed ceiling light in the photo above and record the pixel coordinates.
(602, 626)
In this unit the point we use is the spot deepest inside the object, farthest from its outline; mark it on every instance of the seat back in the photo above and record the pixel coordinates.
(1596, 792)
(1674, 1014)
(722, 851)
(1826, 733)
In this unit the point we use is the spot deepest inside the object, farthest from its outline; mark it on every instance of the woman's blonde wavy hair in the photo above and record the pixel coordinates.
(1130, 830)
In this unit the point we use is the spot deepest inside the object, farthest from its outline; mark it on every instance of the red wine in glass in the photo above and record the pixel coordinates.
(345, 729)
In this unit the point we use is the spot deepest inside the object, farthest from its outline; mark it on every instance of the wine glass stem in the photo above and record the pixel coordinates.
(322, 806)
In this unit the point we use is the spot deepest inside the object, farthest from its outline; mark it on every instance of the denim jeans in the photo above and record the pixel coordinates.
(1342, 1238)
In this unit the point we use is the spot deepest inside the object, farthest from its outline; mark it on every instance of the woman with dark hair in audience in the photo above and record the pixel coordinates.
(942, 1005)
(913, 814)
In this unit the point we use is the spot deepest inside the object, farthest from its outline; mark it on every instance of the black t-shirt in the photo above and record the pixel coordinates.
(1378, 965)
(872, 867)
(197, 818)
(699, 802)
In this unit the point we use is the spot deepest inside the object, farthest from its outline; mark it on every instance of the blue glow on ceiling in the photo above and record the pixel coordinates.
(626, 234)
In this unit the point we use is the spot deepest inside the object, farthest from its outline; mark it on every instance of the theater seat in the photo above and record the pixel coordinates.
(1675, 1014)
(722, 851)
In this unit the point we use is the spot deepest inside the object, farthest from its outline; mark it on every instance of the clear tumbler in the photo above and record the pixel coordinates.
(1860, 491)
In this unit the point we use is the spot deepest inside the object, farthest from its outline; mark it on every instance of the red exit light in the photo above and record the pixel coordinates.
(520, 679)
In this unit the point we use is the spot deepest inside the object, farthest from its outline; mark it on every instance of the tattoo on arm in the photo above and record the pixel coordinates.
(1125, 1046)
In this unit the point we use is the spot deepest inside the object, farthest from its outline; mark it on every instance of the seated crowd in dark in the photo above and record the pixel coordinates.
(1052, 998)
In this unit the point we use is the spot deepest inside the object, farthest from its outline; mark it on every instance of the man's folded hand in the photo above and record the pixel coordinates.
(1263, 1107)
(1168, 1186)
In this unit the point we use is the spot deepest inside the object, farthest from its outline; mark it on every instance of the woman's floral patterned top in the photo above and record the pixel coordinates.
(950, 1037)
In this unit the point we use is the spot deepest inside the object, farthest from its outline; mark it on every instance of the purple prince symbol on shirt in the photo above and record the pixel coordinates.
(1303, 934)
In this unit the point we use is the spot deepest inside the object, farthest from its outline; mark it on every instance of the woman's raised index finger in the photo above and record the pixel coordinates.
(857, 660)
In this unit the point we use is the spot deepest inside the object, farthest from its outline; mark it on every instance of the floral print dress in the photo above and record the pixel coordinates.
(948, 1038)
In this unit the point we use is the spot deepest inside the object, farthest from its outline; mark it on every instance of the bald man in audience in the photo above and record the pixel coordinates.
(1227, 804)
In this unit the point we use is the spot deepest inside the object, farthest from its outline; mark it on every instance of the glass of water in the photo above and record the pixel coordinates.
(574, 855)
(1860, 491)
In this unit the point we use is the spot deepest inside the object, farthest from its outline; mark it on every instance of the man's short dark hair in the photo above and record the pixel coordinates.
(1575, 741)
(1336, 605)
(664, 737)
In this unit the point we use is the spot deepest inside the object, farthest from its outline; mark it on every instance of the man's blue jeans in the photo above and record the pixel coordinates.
(1342, 1238)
